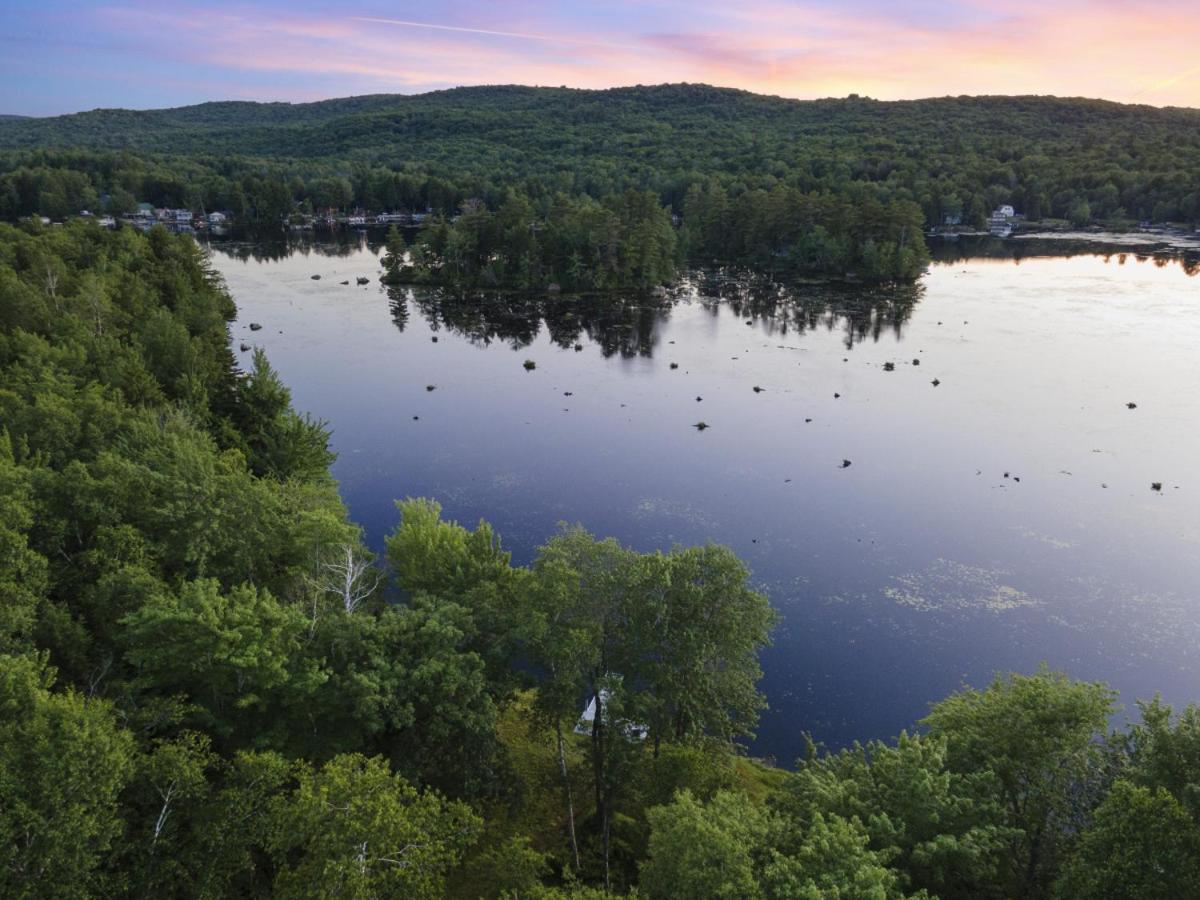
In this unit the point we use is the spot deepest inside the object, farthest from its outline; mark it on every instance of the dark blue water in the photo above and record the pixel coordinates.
(917, 568)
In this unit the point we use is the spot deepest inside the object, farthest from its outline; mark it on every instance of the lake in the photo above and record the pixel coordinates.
(1001, 517)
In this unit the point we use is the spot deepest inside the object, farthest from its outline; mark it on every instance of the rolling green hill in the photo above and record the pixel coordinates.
(1077, 159)
(668, 126)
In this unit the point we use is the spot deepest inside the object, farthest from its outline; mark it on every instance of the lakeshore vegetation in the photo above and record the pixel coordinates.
(529, 187)
(210, 688)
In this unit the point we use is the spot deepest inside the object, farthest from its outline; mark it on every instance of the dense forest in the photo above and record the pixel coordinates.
(1044, 155)
(210, 688)
(830, 187)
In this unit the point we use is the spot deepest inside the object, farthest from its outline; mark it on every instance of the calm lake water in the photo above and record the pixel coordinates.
(1001, 518)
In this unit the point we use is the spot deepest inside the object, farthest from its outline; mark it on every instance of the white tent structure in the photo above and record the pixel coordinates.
(633, 730)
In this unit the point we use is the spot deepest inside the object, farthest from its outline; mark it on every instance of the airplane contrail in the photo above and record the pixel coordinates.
(546, 38)
(1168, 82)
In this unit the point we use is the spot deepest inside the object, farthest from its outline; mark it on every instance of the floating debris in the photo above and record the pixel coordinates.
(578, 347)
(530, 365)
(758, 390)
(316, 277)
(700, 426)
(568, 393)
(434, 338)
(415, 418)
(1156, 485)
(245, 347)
(845, 464)
(889, 367)
(916, 362)
(1131, 405)
(949, 586)
(362, 280)
(431, 387)
(345, 282)
(935, 382)
(808, 420)
(674, 365)
(836, 396)
(254, 326)
(698, 399)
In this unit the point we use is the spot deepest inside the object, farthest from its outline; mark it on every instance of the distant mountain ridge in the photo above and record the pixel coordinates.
(374, 126)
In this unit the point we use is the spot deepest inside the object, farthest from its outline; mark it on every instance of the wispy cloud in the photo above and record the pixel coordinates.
(277, 49)
(521, 35)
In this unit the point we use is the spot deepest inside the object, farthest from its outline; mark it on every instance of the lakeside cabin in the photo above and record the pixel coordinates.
(1000, 221)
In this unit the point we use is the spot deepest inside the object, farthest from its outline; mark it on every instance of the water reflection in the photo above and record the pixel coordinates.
(627, 325)
(245, 246)
(1163, 251)
(862, 311)
(917, 568)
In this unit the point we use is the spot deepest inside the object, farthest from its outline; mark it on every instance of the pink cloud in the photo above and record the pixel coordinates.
(1079, 47)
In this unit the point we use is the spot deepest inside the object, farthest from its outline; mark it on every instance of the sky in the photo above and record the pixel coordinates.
(58, 57)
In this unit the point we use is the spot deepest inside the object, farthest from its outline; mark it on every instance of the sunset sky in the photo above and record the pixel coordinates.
(65, 56)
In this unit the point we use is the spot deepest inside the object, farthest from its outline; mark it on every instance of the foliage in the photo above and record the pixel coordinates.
(63, 761)
(1039, 736)
(204, 690)
(1141, 844)
(950, 155)
(354, 829)
(943, 829)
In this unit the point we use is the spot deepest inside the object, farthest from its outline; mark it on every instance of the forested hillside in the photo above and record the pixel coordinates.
(1074, 159)
(209, 688)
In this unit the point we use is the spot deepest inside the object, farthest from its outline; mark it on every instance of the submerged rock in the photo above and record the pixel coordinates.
(674, 365)
(889, 367)
(1156, 485)
(362, 280)
(530, 365)
(578, 347)
(254, 326)
(245, 347)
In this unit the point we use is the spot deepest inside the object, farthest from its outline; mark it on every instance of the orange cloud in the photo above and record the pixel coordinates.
(1097, 48)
